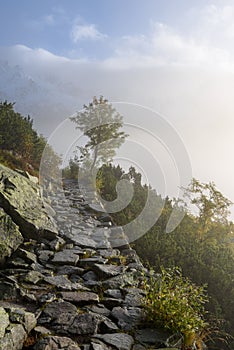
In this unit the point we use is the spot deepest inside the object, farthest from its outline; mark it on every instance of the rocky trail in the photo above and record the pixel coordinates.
(68, 280)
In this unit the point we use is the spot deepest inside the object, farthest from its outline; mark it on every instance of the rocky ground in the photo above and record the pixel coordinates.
(67, 280)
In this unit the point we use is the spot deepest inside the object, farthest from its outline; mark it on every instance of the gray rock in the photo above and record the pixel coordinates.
(66, 257)
(152, 336)
(122, 243)
(113, 293)
(107, 271)
(15, 324)
(17, 263)
(139, 347)
(47, 298)
(6, 343)
(99, 309)
(41, 331)
(80, 298)
(56, 343)
(10, 237)
(27, 256)
(33, 277)
(110, 303)
(109, 253)
(20, 199)
(16, 337)
(62, 282)
(127, 318)
(82, 240)
(99, 345)
(26, 174)
(107, 326)
(133, 296)
(89, 262)
(19, 315)
(90, 276)
(86, 347)
(44, 256)
(127, 279)
(70, 270)
(8, 291)
(103, 244)
(59, 315)
(84, 324)
(121, 341)
(4, 317)
(57, 243)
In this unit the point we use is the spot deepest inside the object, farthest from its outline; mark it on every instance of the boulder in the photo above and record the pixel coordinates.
(20, 198)
(10, 236)
(15, 326)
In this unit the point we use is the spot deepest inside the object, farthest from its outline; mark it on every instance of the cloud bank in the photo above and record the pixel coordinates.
(188, 77)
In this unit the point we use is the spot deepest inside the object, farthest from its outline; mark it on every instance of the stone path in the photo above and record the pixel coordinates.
(76, 220)
(80, 290)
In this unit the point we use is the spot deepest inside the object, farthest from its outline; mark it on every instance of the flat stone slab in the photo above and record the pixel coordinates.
(107, 271)
(121, 341)
(62, 282)
(80, 298)
(66, 257)
(82, 240)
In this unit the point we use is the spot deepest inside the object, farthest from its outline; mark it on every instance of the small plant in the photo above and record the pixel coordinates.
(173, 302)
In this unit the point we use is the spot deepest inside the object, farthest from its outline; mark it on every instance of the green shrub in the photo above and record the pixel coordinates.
(173, 302)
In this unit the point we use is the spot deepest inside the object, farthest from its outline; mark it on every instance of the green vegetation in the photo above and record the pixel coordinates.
(175, 303)
(20, 145)
(100, 122)
(202, 245)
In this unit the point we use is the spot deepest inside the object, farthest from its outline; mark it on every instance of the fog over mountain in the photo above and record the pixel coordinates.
(187, 77)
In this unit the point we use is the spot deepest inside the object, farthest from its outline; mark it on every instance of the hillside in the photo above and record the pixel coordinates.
(121, 299)
(68, 280)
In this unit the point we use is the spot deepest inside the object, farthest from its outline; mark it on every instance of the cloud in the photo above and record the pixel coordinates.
(165, 46)
(186, 76)
(86, 32)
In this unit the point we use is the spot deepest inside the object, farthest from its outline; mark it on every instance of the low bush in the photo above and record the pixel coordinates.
(175, 303)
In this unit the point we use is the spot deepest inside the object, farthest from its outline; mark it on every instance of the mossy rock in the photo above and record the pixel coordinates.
(10, 236)
(20, 198)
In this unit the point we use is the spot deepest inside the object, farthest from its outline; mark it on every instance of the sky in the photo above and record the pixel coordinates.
(173, 58)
